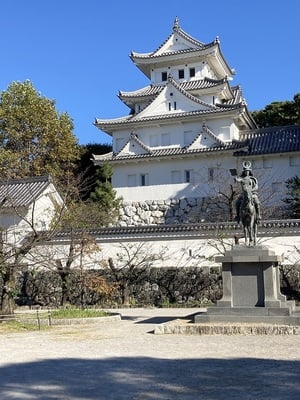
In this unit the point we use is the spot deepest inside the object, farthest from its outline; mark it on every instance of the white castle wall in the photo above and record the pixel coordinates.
(179, 252)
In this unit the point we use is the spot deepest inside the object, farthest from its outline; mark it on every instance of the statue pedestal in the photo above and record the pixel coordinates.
(251, 289)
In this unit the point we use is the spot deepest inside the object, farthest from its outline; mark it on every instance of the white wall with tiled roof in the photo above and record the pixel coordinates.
(163, 183)
(180, 251)
(42, 203)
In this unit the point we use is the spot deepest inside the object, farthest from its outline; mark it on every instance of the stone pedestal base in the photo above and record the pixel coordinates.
(251, 289)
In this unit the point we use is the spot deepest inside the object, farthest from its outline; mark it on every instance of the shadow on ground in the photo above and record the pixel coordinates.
(156, 320)
(161, 319)
(150, 378)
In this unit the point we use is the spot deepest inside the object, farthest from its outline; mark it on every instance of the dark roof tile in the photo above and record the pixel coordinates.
(22, 192)
(278, 139)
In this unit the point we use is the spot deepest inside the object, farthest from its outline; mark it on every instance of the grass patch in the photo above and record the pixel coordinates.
(16, 326)
(77, 313)
(31, 323)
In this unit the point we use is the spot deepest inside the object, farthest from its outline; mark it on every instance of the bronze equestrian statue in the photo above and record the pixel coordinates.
(248, 205)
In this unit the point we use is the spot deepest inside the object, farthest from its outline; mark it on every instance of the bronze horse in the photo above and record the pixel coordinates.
(248, 216)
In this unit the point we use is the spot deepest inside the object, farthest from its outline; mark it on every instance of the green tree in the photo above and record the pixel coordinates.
(86, 170)
(279, 113)
(85, 215)
(35, 139)
(100, 209)
(293, 196)
(104, 194)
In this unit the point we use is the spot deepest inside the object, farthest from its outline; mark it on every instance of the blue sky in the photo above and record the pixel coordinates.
(77, 51)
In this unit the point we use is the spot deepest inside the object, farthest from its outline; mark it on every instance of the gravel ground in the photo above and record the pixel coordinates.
(124, 360)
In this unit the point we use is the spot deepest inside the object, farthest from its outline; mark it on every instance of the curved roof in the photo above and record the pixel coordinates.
(111, 125)
(203, 108)
(170, 152)
(179, 45)
(150, 91)
(282, 139)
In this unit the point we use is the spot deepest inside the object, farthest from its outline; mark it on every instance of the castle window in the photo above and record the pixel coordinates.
(131, 180)
(175, 177)
(294, 161)
(267, 163)
(164, 76)
(181, 74)
(188, 137)
(165, 139)
(144, 179)
(174, 106)
(192, 72)
(257, 164)
(187, 175)
(154, 140)
(210, 174)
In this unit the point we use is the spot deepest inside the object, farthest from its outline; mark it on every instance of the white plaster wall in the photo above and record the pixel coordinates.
(180, 252)
(202, 70)
(175, 130)
(271, 171)
(201, 252)
(157, 192)
(160, 174)
(39, 214)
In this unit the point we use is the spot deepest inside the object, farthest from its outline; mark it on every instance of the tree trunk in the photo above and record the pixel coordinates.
(8, 305)
(64, 273)
(125, 294)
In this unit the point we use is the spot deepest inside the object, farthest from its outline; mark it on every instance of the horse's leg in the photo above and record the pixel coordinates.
(254, 232)
(252, 227)
(250, 234)
(246, 234)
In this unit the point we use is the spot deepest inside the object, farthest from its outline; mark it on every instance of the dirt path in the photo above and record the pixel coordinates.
(123, 360)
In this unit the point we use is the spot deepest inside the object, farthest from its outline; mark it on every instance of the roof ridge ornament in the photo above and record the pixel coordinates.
(176, 25)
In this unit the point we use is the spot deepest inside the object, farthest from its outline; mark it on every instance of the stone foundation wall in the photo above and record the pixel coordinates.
(173, 211)
(154, 286)
(148, 286)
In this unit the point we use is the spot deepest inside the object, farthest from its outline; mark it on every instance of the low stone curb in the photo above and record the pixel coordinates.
(75, 321)
(180, 328)
(82, 321)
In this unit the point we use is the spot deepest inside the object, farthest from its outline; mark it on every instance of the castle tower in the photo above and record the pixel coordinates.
(185, 127)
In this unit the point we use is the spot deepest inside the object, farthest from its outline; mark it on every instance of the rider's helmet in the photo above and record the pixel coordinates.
(246, 169)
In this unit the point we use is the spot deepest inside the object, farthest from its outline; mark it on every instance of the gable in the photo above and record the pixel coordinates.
(201, 141)
(172, 100)
(175, 43)
(133, 147)
(205, 139)
(32, 199)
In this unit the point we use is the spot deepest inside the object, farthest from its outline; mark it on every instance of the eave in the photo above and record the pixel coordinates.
(170, 153)
(132, 122)
(199, 87)
(211, 52)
